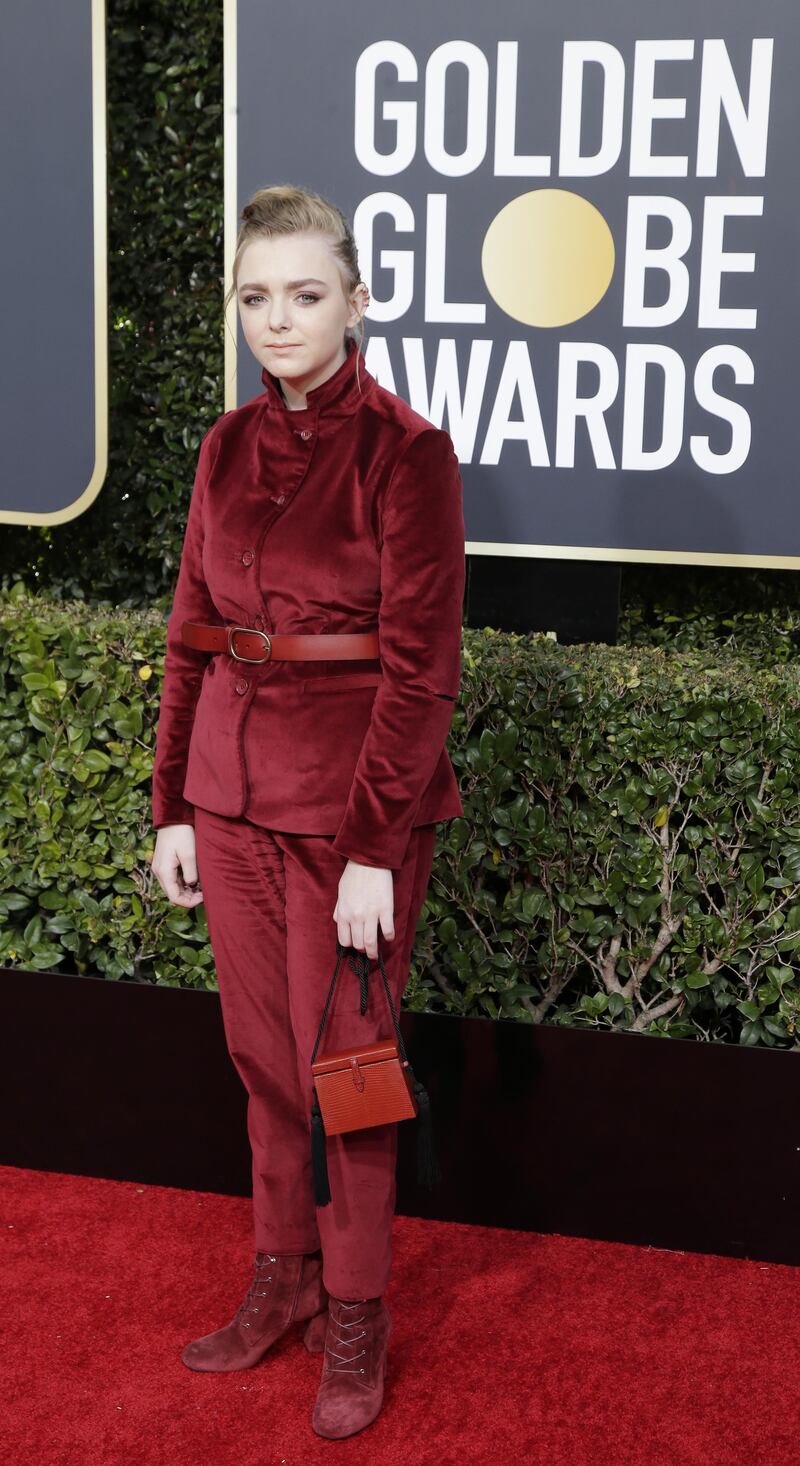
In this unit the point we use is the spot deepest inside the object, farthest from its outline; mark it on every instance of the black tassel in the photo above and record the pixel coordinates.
(319, 1158)
(428, 1172)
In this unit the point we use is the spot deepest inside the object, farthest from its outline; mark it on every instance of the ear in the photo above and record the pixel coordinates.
(361, 294)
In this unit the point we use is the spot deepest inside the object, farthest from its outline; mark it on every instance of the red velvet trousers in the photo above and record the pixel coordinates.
(269, 900)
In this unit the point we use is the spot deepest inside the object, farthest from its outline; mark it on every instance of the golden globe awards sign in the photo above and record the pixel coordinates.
(580, 228)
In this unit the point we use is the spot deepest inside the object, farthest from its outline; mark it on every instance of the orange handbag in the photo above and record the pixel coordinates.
(367, 1084)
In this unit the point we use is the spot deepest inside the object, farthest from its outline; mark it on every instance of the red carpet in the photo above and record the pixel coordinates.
(507, 1346)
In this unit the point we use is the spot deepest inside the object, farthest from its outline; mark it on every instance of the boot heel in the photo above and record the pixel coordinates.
(314, 1334)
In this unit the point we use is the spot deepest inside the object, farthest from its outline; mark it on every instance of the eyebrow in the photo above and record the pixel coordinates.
(291, 284)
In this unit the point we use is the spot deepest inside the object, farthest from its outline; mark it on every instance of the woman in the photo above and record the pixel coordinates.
(301, 765)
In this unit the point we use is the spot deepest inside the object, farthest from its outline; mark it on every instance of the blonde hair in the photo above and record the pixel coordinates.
(284, 208)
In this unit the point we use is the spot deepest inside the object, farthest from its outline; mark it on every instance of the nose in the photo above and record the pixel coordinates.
(278, 316)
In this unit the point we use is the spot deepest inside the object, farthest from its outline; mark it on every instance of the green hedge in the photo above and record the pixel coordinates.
(718, 607)
(629, 855)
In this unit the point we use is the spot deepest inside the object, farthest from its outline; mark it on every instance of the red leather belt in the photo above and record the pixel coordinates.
(248, 645)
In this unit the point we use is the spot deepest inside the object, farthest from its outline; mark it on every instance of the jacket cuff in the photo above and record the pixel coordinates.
(389, 857)
(172, 812)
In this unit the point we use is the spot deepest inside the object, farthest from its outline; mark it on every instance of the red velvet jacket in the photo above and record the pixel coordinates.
(345, 515)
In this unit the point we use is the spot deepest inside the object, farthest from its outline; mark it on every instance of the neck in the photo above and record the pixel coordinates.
(294, 393)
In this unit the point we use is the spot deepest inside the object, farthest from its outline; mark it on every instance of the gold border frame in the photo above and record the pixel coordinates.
(472, 547)
(230, 172)
(100, 245)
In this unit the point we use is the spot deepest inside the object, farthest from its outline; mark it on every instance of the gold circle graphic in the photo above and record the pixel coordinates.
(548, 257)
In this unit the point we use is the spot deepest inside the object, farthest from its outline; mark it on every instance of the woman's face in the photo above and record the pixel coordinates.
(293, 308)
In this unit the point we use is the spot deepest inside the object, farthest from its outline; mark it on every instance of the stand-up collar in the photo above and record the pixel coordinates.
(337, 396)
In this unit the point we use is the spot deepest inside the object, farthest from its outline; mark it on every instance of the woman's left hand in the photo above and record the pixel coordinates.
(366, 897)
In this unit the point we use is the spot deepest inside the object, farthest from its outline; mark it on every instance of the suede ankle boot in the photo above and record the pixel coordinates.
(351, 1388)
(286, 1289)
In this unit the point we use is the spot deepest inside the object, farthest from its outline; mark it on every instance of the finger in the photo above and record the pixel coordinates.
(182, 896)
(371, 937)
(387, 924)
(173, 886)
(188, 864)
(178, 894)
(357, 929)
(168, 880)
(343, 932)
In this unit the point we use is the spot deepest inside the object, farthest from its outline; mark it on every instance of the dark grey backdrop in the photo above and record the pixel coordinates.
(47, 365)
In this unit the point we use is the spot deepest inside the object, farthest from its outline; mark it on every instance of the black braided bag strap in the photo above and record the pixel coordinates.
(360, 963)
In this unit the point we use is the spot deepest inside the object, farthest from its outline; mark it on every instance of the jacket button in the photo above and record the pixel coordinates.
(248, 557)
(306, 433)
(242, 685)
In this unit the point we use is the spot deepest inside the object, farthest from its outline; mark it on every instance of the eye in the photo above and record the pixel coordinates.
(304, 295)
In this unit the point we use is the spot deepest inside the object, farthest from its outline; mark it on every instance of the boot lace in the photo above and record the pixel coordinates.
(247, 1305)
(347, 1360)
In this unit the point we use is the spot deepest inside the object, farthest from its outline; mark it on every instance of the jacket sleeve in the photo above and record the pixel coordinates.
(422, 570)
(183, 665)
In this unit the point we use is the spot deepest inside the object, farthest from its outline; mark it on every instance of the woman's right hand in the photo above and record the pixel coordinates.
(174, 864)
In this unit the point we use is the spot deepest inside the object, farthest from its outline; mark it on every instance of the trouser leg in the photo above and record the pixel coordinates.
(241, 869)
(356, 1226)
(269, 899)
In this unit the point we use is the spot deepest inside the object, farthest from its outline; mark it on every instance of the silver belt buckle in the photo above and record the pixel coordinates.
(251, 631)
